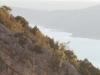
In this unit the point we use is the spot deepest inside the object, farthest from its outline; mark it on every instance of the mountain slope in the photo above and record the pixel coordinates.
(18, 60)
(26, 51)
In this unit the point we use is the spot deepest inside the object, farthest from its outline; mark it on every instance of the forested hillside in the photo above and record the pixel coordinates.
(19, 28)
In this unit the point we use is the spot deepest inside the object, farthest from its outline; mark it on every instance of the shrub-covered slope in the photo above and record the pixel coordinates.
(26, 51)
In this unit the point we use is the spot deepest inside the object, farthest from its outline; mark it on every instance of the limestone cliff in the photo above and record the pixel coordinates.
(16, 59)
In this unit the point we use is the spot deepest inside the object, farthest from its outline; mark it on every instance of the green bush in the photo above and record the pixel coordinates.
(22, 39)
(58, 58)
(38, 49)
(8, 9)
(22, 20)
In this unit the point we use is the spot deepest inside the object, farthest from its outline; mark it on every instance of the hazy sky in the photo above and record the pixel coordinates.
(51, 4)
(56, 0)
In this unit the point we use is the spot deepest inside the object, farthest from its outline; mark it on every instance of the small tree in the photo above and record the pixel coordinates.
(8, 9)
(58, 58)
(62, 46)
(22, 21)
(35, 30)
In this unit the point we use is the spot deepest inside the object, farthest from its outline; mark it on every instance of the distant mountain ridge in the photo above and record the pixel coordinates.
(81, 22)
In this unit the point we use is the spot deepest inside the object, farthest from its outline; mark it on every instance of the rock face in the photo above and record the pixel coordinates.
(18, 60)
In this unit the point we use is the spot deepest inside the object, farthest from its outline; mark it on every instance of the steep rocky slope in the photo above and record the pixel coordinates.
(16, 59)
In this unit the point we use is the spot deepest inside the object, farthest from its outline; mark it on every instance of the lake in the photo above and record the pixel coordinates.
(82, 47)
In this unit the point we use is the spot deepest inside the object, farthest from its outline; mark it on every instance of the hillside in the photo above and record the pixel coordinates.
(26, 51)
(81, 22)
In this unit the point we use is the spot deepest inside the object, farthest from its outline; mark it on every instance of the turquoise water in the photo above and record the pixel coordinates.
(82, 47)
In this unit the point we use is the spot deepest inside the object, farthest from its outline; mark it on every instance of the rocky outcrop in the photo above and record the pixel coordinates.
(18, 60)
